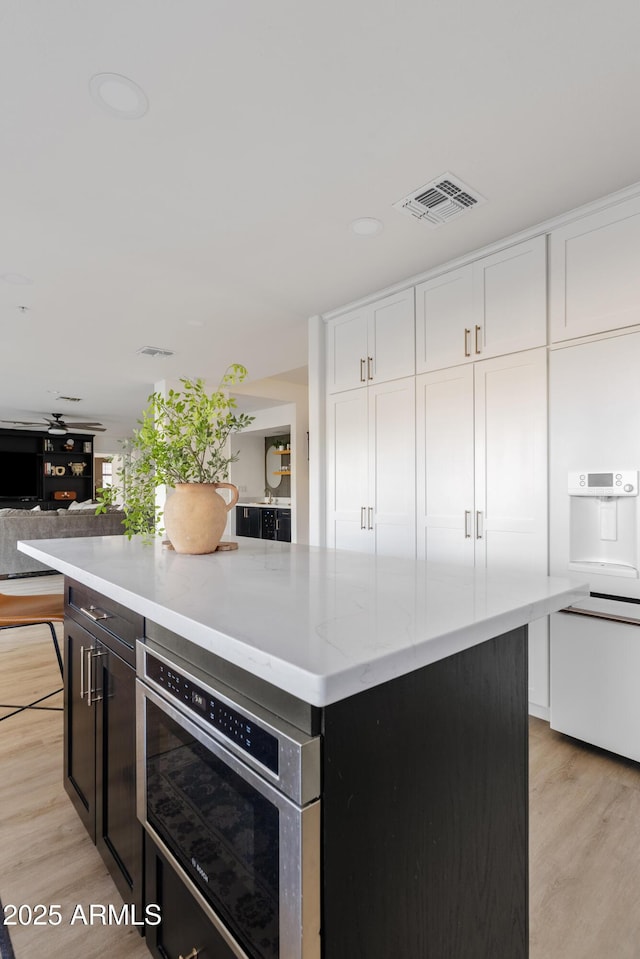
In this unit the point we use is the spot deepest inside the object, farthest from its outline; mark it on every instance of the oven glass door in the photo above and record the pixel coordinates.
(223, 831)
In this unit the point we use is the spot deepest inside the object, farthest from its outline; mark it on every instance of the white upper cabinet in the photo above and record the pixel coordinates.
(444, 320)
(510, 299)
(372, 344)
(494, 306)
(593, 272)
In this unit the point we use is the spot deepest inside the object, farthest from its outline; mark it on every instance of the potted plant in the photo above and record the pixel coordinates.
(182, 443)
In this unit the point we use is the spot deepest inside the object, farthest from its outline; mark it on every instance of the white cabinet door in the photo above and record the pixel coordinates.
(347, 350)
(593, 272)
(482, 463)
(496, 305)
(371, 469)
(510, 299)
(392, 445)
(391, 349)
(372, 344)
(445, 495)
(348, 471)
(444, 320)
(511, 461)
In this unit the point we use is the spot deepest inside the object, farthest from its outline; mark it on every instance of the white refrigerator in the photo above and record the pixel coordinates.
(594, 536)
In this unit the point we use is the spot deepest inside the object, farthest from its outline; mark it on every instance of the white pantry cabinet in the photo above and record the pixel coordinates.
(372, 344)
(493, 306)
(594, 278)
(481, 461)
(371, 469)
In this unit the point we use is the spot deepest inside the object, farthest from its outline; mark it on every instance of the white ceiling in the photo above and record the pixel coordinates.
(271, 126)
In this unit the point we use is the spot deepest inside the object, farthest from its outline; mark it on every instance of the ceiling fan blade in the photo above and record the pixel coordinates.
(85, 426)
(23, 422)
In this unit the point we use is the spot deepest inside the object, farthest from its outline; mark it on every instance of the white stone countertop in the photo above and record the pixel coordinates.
(321, 624)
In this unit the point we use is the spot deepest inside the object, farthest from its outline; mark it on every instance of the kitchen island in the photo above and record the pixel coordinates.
(415, 677)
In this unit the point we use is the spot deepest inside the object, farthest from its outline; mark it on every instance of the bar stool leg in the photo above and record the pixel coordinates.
(57, 648)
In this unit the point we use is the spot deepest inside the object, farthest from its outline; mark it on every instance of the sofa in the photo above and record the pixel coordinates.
(17, 524)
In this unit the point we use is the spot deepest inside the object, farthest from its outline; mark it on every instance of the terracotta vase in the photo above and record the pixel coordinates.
(195, 516)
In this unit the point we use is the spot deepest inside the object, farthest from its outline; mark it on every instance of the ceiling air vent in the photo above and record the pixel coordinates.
(439, 201)
(154, 351)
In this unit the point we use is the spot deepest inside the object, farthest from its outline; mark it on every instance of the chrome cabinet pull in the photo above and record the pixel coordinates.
(192, 955)
(82, 689)
(479, 530)
(89, 677)
(370, 523)
(363, 522)
(467, 334)
(467, 524)
(369, 367)
(362, 376)
(478, 349)
(95, 613)
(97, 653)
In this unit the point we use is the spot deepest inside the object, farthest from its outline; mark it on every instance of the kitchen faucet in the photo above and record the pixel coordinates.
(267, 492)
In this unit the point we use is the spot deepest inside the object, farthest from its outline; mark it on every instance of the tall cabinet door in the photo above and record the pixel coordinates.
(392, 443)
(79, 726)
(445, 465)
(348, 471)
(511, 461)
(119, 835)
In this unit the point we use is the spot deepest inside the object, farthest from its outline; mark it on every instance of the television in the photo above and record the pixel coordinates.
(20, 475)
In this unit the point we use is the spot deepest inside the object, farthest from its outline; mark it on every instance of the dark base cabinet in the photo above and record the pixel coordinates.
(264, 523)
(185, 929)
(99, 732)
(248, 521)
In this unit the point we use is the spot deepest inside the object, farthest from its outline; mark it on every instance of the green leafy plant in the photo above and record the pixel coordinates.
(182, 438)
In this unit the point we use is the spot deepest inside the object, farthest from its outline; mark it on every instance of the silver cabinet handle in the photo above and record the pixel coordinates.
(467, 524)
(93, 655)
(82, 689)
(195, 952)
(479, 529)
(362, 376)
(95, 613)
(369, 367)
(370, 523)
(478, 349)
(629, 620)
(467, 334)
(89, 677)
(363, 521)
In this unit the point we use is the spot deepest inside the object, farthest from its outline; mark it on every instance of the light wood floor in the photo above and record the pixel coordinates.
(584, 822)
(45, 855)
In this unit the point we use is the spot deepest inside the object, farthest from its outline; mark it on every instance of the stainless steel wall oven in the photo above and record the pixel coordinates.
(230, 793)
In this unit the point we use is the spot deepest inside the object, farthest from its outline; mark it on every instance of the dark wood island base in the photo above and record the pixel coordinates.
(425, 812)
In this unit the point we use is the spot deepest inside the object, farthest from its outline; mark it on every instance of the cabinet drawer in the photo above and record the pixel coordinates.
(114, 625)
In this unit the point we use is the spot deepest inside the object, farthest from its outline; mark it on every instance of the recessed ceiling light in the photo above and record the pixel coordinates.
(17, 279)
(367, 226)
(118, 95)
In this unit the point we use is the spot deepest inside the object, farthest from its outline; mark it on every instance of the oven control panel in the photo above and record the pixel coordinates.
(234, 725)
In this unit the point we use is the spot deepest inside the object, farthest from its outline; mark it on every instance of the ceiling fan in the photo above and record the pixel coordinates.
(58, 426)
